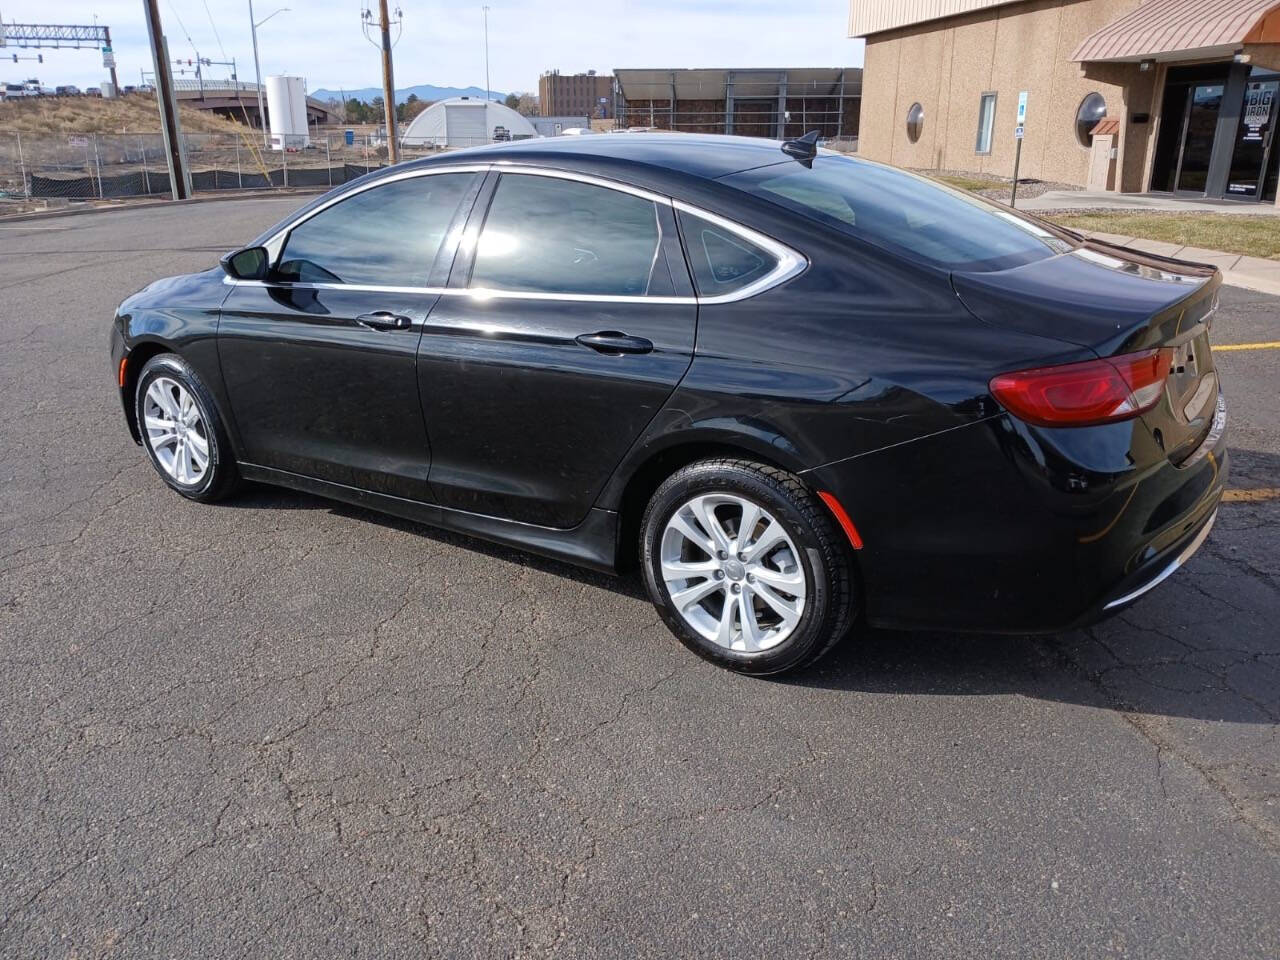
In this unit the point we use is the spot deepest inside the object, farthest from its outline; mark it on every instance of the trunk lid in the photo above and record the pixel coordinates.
(1117, 301)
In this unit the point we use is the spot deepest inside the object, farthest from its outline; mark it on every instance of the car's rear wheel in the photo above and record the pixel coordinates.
(181, 430)
(746, 566)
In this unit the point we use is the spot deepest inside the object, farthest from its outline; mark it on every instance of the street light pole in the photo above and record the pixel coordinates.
(488, 93)
(257, 70)
(262, 115)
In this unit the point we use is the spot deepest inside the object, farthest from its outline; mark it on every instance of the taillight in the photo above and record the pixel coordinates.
(1081, 394)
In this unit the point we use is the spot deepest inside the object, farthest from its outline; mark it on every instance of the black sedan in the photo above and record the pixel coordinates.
(802, 390)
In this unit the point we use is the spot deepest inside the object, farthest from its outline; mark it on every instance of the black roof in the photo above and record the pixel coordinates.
(701, 156)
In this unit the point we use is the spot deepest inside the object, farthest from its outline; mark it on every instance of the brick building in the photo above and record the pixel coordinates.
(575, 94)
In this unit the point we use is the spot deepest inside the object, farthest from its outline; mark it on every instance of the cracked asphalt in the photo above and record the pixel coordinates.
(284, 727)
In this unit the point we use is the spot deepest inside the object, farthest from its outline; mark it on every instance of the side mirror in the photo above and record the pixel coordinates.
(251, 263)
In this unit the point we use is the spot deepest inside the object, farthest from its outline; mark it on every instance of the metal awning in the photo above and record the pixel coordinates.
(1178, 30)
(701, 84)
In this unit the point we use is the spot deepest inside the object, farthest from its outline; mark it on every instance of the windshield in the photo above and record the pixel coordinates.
(914, 215)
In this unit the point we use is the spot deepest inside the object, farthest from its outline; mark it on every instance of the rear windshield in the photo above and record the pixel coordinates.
(913, 215)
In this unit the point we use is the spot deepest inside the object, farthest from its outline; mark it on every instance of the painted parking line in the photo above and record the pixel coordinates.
(1269, 345)
(1257, 495)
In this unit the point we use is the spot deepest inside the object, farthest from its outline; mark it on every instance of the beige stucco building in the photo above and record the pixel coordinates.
(1174, 96)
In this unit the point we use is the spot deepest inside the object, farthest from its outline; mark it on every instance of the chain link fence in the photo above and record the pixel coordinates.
(112, 166)
(108, 166)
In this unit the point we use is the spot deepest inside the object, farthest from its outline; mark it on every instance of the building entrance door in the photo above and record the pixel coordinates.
(1199, 125)
(1217, 135)
(1254, 138)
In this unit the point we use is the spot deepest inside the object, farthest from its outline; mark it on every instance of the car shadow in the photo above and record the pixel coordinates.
(1125, 663)
(264, 497)
(1063, 668)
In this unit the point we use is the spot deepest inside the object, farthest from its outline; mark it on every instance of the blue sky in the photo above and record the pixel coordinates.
(443, 44)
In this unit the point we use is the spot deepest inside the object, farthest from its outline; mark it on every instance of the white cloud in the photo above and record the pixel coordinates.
(444, 44)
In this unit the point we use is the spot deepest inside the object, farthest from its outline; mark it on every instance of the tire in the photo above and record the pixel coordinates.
(166, 379)
(776, 621)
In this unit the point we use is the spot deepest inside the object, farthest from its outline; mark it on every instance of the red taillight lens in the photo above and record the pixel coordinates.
(1081, 394)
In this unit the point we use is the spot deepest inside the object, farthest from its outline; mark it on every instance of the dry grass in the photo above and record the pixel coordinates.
(135, 113)
(961, 182)
(1257, 235)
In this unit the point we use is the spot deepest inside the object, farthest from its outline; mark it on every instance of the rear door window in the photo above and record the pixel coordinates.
(388, 235)
(558, 236)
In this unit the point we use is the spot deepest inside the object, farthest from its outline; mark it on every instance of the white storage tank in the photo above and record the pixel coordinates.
(287, 113)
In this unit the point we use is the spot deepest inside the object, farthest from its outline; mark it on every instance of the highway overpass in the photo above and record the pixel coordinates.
(238, 100)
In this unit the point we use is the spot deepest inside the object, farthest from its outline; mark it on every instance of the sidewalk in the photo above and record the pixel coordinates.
(1073, 200)
(1252, 273)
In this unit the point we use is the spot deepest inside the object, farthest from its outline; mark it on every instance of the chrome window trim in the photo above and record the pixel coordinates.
(478, 293)
(484, 293)
(790, 263)
(357, 287)
(513, 167)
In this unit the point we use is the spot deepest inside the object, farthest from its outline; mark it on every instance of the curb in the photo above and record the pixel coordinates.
(1238, 278)
(148, 204)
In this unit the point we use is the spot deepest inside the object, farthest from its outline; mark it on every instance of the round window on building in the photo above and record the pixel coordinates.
(1092, 109)
(915, 122)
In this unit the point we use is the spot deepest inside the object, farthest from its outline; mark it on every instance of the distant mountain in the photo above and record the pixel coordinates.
(423, 91)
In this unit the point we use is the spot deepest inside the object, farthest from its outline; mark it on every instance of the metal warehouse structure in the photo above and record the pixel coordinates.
(465, 122)
(776, 103)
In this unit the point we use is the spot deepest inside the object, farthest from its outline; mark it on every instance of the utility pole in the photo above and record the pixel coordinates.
(388, 84)
(106, 36)
(179, 176)
(488, 94)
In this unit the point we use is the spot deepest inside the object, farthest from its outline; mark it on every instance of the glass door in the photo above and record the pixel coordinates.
(1173, 118)
(1197, 137)
(1254, 139)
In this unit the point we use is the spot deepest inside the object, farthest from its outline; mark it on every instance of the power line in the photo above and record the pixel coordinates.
(215, 29)
(183, 27)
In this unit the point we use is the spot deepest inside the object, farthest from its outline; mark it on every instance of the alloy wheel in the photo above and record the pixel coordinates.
(733, 572)
(176, 431)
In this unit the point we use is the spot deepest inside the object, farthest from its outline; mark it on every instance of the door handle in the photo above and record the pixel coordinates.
(610, 341)
(384, 320)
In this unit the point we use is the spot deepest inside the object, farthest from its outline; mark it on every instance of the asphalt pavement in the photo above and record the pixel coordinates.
(284, 727)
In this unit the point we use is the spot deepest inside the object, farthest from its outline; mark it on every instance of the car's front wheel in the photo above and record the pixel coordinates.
(746, 566)
(181, 430)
